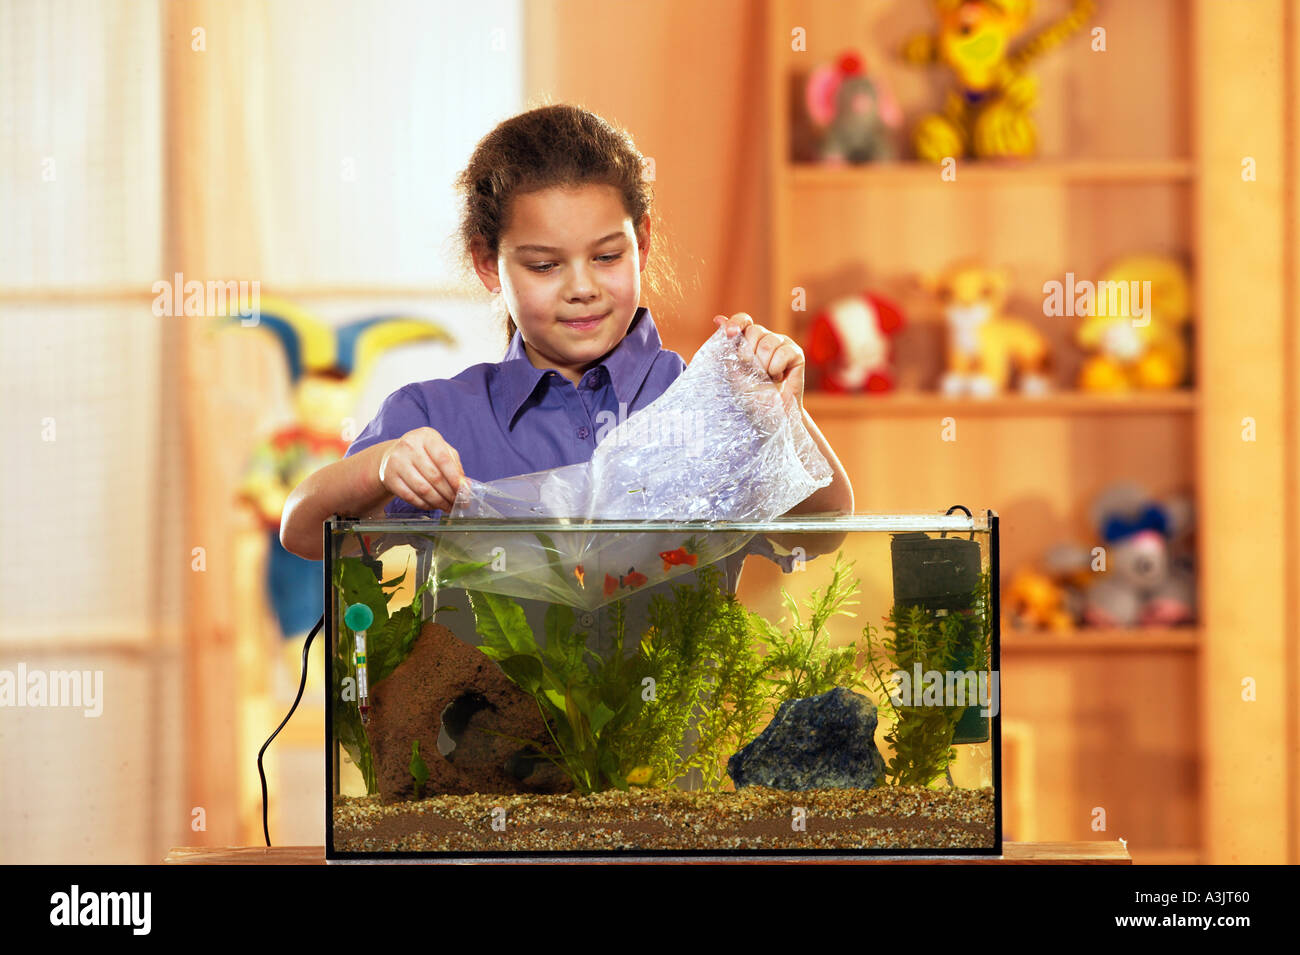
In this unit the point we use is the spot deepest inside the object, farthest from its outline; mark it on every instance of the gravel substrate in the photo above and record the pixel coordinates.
(886, 817)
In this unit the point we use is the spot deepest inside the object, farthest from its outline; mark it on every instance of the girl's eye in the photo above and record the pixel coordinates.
(545, 267)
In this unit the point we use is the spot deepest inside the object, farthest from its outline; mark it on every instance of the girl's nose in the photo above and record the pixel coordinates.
(582, 282)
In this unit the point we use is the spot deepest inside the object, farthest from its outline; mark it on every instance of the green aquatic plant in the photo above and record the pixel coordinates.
(623, 718)
(419, 769)
(700, 650)
(946, 642)
(800, 661)
(580, 693)
(704, 676)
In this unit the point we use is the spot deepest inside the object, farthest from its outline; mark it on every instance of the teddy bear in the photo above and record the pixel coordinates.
(1148, 578)
(1134, 327)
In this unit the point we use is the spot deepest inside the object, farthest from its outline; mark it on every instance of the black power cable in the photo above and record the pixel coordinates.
(306, 649)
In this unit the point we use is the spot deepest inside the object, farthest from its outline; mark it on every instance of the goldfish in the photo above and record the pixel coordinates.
(629, 580)
(581, 575)
(639, 776)
(678, 556)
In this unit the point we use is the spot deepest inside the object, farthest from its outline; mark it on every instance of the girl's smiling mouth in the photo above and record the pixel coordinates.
(583, 324)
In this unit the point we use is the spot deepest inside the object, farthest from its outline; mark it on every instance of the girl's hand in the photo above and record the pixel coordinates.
(777, 354)
(422, 469)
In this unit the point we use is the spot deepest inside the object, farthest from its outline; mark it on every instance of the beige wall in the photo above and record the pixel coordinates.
(686, 80)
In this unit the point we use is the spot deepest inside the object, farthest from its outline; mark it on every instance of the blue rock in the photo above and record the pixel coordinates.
(820, 742)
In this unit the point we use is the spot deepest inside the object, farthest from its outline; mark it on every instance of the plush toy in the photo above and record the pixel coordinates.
(988, 115)
(848, 344)
(986, 347)
(860, 115)
(1134, 328)
(1148, 578)
(1034, 601)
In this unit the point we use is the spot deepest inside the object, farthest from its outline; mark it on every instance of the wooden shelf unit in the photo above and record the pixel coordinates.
(1118, 176)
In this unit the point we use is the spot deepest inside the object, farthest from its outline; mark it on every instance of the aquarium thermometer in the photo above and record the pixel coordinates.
(358, 619)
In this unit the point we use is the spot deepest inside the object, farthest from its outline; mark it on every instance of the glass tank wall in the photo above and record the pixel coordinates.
(801, 686)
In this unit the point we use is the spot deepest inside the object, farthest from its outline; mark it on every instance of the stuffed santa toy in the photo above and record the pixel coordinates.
(849, 344)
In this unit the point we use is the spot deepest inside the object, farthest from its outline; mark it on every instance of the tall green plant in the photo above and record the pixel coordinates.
(959, 641)
(800, 661)
(700, 649)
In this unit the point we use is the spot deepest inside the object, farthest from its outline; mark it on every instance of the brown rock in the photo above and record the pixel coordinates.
(446, 683)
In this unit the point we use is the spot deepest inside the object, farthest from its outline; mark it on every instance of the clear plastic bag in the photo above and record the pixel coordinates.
(720, 444)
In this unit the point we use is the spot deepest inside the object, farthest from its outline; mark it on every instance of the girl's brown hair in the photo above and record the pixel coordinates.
(555, 145)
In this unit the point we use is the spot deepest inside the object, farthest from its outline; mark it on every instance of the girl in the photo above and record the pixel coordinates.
(556, 221)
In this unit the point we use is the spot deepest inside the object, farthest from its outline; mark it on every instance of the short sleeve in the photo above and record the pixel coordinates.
(402, 411)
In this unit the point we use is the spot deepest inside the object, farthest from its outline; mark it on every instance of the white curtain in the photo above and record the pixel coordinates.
(360, 114)
(89, 494)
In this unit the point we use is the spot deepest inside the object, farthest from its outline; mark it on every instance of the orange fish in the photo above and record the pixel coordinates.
(629, 580)
(632, 579)
(678, 556)
(580, 574)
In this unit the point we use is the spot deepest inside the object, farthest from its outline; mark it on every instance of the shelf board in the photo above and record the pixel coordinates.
(1013, 172)
(899, 403)
(1084, 640)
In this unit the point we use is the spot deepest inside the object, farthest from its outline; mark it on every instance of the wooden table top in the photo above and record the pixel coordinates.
(1013, 853)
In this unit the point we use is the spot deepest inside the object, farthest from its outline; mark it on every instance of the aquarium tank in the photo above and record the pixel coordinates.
(804, 686)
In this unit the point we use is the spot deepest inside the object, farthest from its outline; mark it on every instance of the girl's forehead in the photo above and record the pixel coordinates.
(574, 214)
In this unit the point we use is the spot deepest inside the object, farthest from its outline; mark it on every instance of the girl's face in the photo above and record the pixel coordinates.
(568, 255)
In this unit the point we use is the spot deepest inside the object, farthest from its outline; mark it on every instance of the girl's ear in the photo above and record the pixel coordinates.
(485, 264)
(643, 238)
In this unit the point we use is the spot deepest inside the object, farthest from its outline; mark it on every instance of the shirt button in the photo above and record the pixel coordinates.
(586, 620)
(583, 432)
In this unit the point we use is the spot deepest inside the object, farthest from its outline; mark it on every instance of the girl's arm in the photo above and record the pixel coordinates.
(349, 487)
(783, 360)
(836, 497)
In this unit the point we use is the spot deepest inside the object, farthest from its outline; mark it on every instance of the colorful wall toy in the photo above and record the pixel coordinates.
(327, 367)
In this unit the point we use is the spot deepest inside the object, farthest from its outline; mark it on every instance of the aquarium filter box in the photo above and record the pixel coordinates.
(800, 687)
